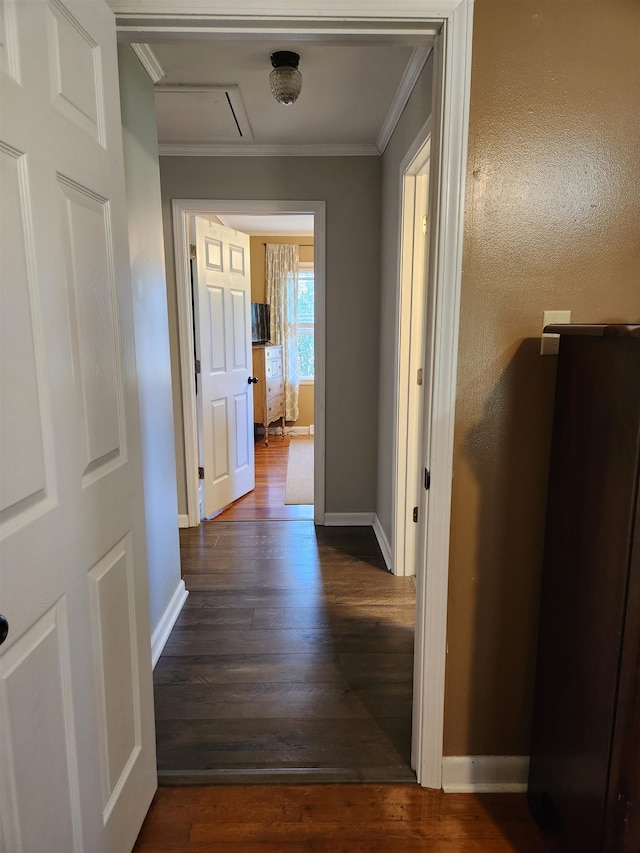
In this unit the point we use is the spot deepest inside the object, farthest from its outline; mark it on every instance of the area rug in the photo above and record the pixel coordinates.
(299, 487)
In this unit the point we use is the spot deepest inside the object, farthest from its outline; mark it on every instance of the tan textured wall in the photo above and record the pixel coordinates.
(551, 222)
(258, 254)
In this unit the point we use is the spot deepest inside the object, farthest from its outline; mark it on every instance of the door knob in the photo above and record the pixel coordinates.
(252, 380)
(4, 629)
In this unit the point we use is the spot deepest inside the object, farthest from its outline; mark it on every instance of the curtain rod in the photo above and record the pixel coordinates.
(300, 245)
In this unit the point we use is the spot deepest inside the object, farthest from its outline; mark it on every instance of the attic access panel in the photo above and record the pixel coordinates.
(201, 114)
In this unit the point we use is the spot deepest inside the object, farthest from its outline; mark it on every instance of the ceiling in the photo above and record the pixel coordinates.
(213, 96)
(272, 224)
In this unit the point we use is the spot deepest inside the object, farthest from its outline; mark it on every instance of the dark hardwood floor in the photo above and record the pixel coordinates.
(291, 660)
(336, 819)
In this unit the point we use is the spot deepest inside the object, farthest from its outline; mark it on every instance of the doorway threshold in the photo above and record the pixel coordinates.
(291, 776)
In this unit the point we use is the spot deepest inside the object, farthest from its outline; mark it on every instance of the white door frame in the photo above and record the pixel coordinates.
(452, 21)
(411, 344)
(182, 210)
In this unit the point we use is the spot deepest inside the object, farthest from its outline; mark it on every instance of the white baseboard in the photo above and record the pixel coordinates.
(183, 520)
(166, 623)
(348, 519)
(383, 542)
(485, 773)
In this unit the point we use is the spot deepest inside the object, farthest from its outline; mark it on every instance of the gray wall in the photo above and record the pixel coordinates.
(151, 330)
(413, 118)
(350, 186)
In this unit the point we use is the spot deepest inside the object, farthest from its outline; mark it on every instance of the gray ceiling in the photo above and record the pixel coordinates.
(215, 95)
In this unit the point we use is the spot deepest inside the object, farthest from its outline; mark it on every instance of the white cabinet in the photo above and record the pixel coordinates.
(268, 392)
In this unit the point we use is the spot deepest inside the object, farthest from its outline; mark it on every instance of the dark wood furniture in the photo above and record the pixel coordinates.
(584, 782)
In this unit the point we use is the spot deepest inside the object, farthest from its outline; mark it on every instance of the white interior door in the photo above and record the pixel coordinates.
(76, 706)
(222, 296)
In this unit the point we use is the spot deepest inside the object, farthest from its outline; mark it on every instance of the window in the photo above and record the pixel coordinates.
(305, 323)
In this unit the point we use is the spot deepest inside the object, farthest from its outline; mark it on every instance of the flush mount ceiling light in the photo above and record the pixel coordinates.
(285, 79)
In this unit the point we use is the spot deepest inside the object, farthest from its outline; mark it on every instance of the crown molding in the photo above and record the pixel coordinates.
(409, 80)
(199, 11)
(149, 61)
(240, 150)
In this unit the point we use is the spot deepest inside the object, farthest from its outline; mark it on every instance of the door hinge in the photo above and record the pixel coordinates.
(197, 366)
(201, 473)
(427, 479)
(415, 514)
(419, 376)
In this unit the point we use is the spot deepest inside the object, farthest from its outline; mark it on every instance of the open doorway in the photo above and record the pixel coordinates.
(415, 346)
(279, 432)
(283, 366)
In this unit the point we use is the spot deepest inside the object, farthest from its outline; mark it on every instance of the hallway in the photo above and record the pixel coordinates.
(291, 661)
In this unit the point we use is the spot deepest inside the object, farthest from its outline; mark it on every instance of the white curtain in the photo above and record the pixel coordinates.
(281, 288)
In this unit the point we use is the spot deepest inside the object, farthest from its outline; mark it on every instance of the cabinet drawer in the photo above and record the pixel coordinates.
(274, 409)
(273, 367)
(275, 387)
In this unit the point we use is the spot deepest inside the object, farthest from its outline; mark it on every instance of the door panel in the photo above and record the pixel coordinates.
(92, 300)
(76, 706)
(42, 804)
(222, 298)
(22, 446)
(243, 418)
(74, 71)
(9, 64)
(219, 439)
(116, 665)
(240, 309)
(217, 337)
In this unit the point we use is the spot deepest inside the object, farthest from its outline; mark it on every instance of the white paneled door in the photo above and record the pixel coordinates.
(77, 763)
(222, 295)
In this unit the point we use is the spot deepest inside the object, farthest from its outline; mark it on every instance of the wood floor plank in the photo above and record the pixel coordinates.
(305, 597)
(315, 667)
(240, 669)
(281, 700)
(194, 618)
(449, 831)
(359, 639)
(295, 561)
(356, 745)
(287, 579)
(335, 616)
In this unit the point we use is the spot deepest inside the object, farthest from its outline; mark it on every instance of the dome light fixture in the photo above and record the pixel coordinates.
(285, 79)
